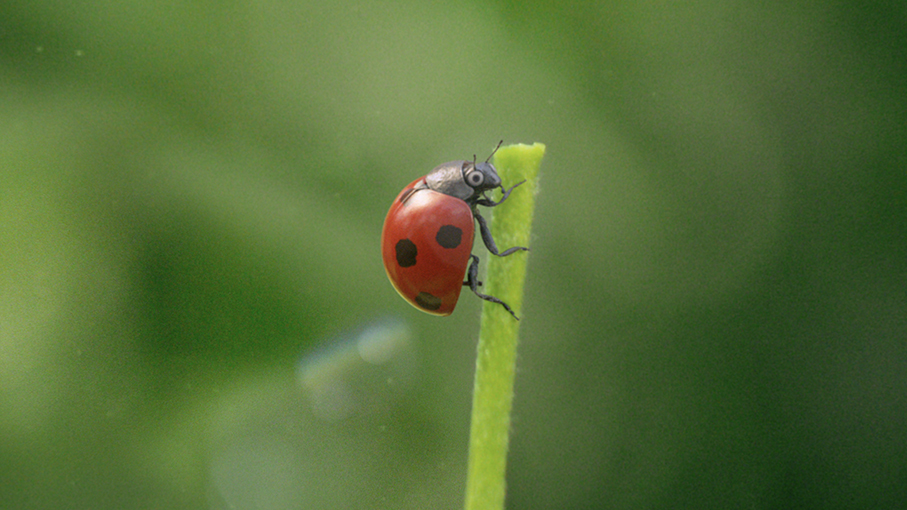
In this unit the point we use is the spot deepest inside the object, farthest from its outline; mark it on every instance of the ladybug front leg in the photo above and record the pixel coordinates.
(487, 202)
(472, 279)
(489, 241)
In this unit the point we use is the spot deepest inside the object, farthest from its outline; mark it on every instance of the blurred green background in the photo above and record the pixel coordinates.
(190, 212)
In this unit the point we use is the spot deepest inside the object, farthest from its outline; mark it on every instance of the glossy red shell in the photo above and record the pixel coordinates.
(418, 226)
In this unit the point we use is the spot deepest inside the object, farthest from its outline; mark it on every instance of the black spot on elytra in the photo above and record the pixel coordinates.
(449, 236)
(406, 253)
(428, 301)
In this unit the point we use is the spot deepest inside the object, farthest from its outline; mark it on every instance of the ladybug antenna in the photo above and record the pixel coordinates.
(492, 152)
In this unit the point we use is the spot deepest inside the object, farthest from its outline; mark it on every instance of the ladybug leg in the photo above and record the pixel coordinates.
(487, 202)
(489, 241)
(472, 279)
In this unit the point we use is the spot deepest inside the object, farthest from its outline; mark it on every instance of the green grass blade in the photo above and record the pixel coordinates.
(496, 356)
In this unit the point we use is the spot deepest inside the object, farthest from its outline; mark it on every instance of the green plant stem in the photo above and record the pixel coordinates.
(496, 356)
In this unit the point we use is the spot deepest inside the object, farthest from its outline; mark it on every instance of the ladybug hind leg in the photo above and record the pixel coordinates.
(489, 241)
(472, 279)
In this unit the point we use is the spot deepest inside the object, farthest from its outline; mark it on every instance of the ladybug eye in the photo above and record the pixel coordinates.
(475, 178)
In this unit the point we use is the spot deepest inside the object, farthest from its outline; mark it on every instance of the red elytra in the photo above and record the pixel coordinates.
(428, 233)
(426, 243)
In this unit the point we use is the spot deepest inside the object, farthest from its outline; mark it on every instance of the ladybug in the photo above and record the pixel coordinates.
(428, 233)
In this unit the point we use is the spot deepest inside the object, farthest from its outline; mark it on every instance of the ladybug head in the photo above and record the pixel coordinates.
(466, 180)
(481, 176)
